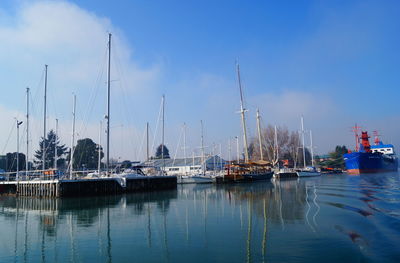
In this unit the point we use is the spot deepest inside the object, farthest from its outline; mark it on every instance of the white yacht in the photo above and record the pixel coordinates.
(308, 172)
(285, 173)
(195, 179)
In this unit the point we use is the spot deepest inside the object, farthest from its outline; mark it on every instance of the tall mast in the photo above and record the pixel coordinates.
(356, 130)
(229, 149)
(108, 102)
(213, 154)
(44, 120)
(193, 159)
(73, 137)
(17, 174)
(259, 135)
(163, 130)
(276, 150)
(18, 124)
(27, 133)
(147, 141)
(242, 111)
(220, 156)
(202, 146)
(312, 150)
(184, 143)
(376, 139)
(99, 149)
(302, 138)
(237, 149)
(55, 147)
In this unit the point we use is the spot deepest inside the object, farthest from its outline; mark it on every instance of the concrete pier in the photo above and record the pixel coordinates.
(85, 187)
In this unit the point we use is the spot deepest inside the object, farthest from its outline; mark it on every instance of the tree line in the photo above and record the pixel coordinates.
(334, 158)
(280, 145)
(289, 148)
(85, 155)
(276, 146)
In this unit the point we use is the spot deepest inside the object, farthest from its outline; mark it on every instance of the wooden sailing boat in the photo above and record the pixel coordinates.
(247, 171)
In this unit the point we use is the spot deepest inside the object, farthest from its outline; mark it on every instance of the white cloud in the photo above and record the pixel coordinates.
(8, 129)
(73, 42)
(288, 106)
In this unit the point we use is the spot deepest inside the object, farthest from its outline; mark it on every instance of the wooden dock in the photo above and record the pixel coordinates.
(85, 187)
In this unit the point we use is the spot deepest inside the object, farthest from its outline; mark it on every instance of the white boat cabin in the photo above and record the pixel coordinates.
(383, 148)
(188, 166)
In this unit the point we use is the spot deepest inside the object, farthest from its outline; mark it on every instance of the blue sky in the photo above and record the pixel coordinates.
(335, 62)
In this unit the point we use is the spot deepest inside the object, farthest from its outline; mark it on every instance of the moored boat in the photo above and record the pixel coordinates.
(371, 159)
(247, 172)
(285, 173)
(308, 172)
(195, 179)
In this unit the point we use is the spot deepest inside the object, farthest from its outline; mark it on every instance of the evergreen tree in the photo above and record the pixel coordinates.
(159, 152)
(86, 154)
(335, 159)
(11, 162)
(48, 144)
(126, 164)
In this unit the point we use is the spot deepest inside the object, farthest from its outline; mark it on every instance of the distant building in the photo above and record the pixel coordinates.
(192, 165)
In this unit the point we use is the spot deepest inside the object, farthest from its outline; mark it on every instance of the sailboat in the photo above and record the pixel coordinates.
(197, 178)
(306, 171)
(126, 174)
(247, 171)
(281, 172)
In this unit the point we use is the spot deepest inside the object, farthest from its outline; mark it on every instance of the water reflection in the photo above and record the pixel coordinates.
(67, 218)
(277, 202)
(287, 220)
(63, 221)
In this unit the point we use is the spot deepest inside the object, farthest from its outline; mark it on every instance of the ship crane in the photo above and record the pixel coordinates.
(356, 130)
(377, 141)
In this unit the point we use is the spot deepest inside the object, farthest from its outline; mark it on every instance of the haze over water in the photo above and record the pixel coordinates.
(327, 219)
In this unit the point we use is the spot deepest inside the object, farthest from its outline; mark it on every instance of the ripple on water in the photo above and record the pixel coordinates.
(326, 219)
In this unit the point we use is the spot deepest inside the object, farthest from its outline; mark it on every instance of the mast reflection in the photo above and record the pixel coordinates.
(189, 217)
(71, 217)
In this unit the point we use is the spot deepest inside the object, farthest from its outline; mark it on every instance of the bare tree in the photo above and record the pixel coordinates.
(286, 146)
(293, 147)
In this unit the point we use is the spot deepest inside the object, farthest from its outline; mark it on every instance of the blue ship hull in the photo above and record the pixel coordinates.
(366, 162)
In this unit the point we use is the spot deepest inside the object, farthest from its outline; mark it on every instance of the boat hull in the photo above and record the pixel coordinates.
(249, 177)
(308, 173)
(283, 175)
(195, 180)
(366, 162)
(258, 177)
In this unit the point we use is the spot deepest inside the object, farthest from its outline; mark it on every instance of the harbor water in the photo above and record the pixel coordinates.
(332, 218)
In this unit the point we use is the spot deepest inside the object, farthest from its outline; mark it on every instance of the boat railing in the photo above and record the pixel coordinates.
(52, 174)
(34, 175)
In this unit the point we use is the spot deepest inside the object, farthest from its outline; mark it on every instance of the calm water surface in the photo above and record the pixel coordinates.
(328, 219)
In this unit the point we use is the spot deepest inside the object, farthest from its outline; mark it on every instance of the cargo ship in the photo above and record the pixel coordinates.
(368, 158)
